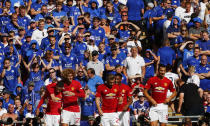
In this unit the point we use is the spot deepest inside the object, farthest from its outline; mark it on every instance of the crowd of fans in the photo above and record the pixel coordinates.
(96, 38)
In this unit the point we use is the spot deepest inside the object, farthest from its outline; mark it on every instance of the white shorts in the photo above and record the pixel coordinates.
(124, 118)
(160, 113)
(70, 118)
(52, 120)
(110, 119)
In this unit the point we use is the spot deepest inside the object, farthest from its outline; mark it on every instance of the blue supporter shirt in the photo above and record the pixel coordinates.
(124, 34)
(10, 27)
(59, 15)
(68, 61)
(37, 6)
(97, 34)
(75, 13)
(6, 104)
(186, 55)
(4, 20)
(83, 81)
(192, 61)
(204, 83)
(88, 106)
(24, 22)
(141, 107)
(150, 69)
(167, 55)
(10, 79)
(94, 82)
(134, 9)
(79, 49)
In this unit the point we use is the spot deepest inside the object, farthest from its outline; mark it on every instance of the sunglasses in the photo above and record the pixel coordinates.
(52, 72)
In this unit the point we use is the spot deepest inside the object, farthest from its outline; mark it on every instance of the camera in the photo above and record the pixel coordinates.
(7, 121)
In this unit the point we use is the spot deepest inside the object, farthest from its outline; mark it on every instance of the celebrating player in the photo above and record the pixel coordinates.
(159, 86)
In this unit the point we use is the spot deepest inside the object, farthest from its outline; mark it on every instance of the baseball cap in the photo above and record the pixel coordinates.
(148, 50)
(91, 118)
(6, 92)
(28, 34)
(197, 20)
(33, 42)
(31, 83)
(111, 37)
(94, 53)
(140, 94)
(114, 47)
(150, 4)
(32, 21)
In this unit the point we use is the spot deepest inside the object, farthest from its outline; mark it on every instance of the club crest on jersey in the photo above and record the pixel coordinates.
(165, 84)
(99, 31)
(123, 91)
(105, 90)
(72, 88)
(115, 90)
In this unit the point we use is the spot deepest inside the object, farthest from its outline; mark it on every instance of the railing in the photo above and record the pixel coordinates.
(180, 119)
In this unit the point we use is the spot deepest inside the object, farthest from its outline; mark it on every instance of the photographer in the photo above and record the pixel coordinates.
(141, 108)
(6, 117)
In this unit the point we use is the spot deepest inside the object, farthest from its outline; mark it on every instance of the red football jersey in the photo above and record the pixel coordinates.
(53, 108)
(125, 92)
(70, 103)
(109, 97)
(159, 88)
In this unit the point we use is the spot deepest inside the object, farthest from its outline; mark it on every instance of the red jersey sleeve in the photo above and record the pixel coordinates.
(129, 91)
(98, 91)
(50, 88)
(81, 92)
(148, 84)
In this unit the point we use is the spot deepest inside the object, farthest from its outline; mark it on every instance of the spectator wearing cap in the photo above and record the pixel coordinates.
(97, 65)
(39, 33)
(141, 106)
(46, 41)
(150, 60)
(68, 59)
(23, 20)
(18, 91)
(33, 50)
(93, 9)
(33, 26)
(44, 13)
(27, 110)
(2, 110)
(113, 60)
(173, 30)
(187, 50)
(29, 93)
(58, 13)
(14, 59)
(94, 80)
(81, 76)
(7, 100)
(194, 32)
(10, 75)
(97, 32)
(134, 64)
(175, 4)
(149, 13)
